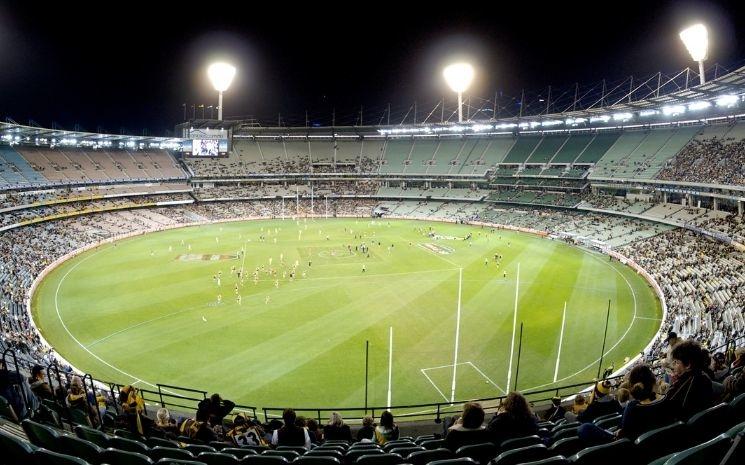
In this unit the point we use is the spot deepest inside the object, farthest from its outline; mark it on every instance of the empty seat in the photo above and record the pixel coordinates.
(432, 444)
(564, 433)
(239, 452)
(123, 433)
(738, 407)
(128, 445)
(299, 449)
(41, 435)
(519, 442)
(220, 445)
(423, 457)
(169, 461)
(661, 441)
(290, 455)
(405, 451)
(455, 461)
(261, 459)
(122, 457)
(153, 441)
(710, 452)
(609, 422)
(604, 453)
(557, 460)
(736, 453)
(47, 457)
(159, 452)
(93, 435)
(481, 453)
(420, 439)
(317, 460)
(218, 458)
(318, 452)
(732, 432)
(353, 454)
(712, 421)
(197, 449)
(86, 450)
(379, 459)
(567, 446)
(522, 454)
(397, 443)
(15, 450)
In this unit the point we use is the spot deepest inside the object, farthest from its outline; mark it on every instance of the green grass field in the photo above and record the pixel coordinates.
(146, 310)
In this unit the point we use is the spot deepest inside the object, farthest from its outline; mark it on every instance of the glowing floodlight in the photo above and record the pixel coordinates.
(221, 75)
(459, 77)
(696, 40)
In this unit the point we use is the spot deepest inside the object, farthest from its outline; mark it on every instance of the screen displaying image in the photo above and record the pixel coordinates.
(205, 147)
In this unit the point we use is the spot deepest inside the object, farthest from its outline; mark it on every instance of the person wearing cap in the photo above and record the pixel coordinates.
(602, 403)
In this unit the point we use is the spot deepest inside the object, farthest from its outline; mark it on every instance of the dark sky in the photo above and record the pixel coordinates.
(132, 65)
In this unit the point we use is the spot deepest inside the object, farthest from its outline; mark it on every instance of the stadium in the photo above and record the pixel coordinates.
(466, 260)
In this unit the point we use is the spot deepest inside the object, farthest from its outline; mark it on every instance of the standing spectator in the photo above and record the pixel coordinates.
(215, 408)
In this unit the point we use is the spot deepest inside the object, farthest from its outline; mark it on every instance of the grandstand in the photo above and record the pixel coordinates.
(665, 196)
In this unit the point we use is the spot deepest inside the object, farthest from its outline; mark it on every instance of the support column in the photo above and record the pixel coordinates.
(716, 204)
(739, 207)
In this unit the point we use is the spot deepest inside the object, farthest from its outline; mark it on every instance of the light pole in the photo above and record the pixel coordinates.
(459, 77)
(221, 75)
(696, 40)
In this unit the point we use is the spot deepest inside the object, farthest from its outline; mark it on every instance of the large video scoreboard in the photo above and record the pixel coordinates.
(207, 143)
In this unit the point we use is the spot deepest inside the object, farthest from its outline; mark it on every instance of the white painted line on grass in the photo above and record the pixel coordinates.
(561, 339)
(457, 335)
(424, 372)
(486, 377)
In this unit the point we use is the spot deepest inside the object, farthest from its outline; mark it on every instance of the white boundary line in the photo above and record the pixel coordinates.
(457, 335)
(561, 339)
(514, 327)
(487, 378)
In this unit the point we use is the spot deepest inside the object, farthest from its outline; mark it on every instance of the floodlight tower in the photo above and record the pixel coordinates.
(459, 77)
(696, 40)
(221, 75)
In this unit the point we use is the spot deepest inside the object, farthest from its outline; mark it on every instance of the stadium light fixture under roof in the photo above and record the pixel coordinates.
(221, 75)
(696, 40)
(459, 77)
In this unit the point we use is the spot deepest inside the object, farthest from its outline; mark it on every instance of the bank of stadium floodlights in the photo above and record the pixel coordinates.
(459, 77)
(696, 40)
(221, 76)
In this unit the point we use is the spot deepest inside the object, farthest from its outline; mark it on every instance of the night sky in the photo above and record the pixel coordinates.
(130, 65)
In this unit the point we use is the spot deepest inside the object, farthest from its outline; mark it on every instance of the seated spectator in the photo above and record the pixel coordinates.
(468, 428)
(197, 429)
(556, 411)
(311, 426)
(642, 413)
(77, 399)
(164, 423)
(38, 384)
(515, 419)
(216, 408)
(246, 432)
(603, 403)
(290, 434)
(11, 385)
(337, 429)
(367, 432)
(691, 390)
(387, 429)
(578, 406)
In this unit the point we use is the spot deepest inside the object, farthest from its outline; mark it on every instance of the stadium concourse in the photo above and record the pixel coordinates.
(668, 198)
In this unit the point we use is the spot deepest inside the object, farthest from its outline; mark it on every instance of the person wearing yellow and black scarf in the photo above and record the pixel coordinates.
(133, 406)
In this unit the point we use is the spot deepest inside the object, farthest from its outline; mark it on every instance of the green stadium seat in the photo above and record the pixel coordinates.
(290, 455)
(433, 444)
(47, 457)
(6, 410)
(738, 407)
(522, 454)
(352, 455)
(519, 442)
(158, 452)
(41, 435)
(423, 457)
(197, 449)
(15, 450)
(335, 447)
(264, 460)
(122, 457)
(80, 417)
(736, 454)
(405, 451)
(608, 422)
(397, 443)
(556, 460)
(379, 459)
(153, 442)
(239, 452)
(123, 433)
(567, 446)
(661, 441)
(732, 432)
(564, 425)
(93, 435)
(221, 445)
(217, 458)
(481, 453)
(420, 439)
(710, 452)
(362, 445)
(258, 449)
(299, 449)
(564, 433)
(455, 461)
(604, 453)
(318, 452)
(317, 460)
(168, 461)
(128, 445)
(711, 422)
(86, 450)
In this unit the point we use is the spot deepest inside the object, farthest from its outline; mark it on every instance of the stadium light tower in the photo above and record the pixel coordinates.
(696, 40)
(459, 77)
(221, 75)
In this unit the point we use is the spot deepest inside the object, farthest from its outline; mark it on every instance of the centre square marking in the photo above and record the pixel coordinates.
(450, 367)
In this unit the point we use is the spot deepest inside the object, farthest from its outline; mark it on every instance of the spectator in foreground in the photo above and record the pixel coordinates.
(215, 408)
(337, 429)
(515, 419)
(38, 384)
(367, 432)
(387, 429)
(556, 412)
(311, 426)
(246, 432)
(603, 403)
(468, 429)
(164, 423)
(691, 391)
(290, 434)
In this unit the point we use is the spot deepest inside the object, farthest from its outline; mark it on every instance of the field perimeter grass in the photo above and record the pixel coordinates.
(146, 310)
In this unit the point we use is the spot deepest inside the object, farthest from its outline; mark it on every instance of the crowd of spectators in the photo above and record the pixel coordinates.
(710, 161)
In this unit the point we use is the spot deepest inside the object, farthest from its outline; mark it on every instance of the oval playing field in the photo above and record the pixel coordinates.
(170, 308)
